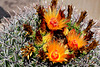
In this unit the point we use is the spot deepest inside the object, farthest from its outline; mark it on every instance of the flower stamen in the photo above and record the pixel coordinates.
(55, 54)
(54, 22)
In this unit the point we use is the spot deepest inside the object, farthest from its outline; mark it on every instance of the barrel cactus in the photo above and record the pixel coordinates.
(48, 36)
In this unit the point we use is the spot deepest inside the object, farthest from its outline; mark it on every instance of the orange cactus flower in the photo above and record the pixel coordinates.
(54, 19)
(56, 52)
(75, 41)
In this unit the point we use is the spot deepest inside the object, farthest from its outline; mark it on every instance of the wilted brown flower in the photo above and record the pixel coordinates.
(28, 29)
(38, 38)
(70, 9)
(91, 23)
(82, 16)
(42, 55)
(28, 51)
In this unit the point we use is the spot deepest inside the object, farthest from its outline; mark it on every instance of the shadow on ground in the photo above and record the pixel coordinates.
(3, 13)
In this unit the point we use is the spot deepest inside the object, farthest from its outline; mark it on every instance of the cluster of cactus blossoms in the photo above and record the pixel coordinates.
(56, 39)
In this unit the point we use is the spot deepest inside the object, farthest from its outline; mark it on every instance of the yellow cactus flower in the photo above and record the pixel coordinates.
(56, 52)
(47, 37)
(45, 47)
(65, 32)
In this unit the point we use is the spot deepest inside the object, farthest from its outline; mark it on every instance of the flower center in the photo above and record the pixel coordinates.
(75, 44)
(55, 55)
(54, 22)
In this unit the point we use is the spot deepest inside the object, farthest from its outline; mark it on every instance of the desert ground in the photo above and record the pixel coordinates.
(10, 5)
(91, 6)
